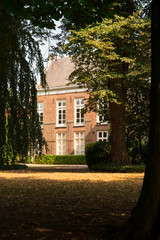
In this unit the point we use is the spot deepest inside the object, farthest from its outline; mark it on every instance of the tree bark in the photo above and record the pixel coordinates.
(144, 223)
(118, 136)
(118, 125)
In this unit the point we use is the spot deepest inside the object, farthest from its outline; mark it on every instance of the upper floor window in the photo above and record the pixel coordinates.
(79, 114)
(61, 113)
(102, 113)
(40, 112)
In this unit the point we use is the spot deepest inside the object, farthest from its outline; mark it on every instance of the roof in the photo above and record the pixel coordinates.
(58, 71)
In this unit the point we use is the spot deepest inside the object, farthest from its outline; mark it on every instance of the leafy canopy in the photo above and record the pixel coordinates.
(98, 51)
(20, 61)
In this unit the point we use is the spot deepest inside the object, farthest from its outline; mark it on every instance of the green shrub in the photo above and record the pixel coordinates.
(97, 153)
(60, 159)
(136, 155)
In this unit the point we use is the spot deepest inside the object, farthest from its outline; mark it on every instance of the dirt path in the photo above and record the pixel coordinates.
(57, 204)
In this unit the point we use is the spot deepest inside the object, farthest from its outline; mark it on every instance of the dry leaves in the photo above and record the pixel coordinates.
(64, 205)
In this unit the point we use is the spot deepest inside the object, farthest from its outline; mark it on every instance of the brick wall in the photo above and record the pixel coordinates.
(50, 128)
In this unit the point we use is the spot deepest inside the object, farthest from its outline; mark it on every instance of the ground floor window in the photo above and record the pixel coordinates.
(102, 136)
(61, 143)
(79, 143)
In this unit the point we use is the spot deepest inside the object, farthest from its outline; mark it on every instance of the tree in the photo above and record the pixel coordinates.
(18, 118)
(18, 52)
(112, 58)
(144, 221)
(137, 122)
(42, 14)
(122, 8)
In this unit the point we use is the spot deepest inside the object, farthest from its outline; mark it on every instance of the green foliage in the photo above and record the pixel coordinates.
(138, 116)
(113, 62)
(60, 159)
(113, 168)
(137, 151)
(98, 51)
(97, 153)
(19, 56)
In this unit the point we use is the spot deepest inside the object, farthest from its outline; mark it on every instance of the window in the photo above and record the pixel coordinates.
(102, 136)
(40, 112)
(79, 142)
(61, 143)
(102, 113)
(61, 113)
(79, 115)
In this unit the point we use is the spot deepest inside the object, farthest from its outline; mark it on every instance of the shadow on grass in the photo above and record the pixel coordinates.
(36, 208)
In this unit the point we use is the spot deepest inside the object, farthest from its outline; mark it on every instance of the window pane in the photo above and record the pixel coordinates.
(100, 134)
(79, 143)
(40, 112)
(61, 117)
(79, 105)
(61, 143)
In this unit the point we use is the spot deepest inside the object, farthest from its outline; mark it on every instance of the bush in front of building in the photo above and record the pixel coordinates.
(97, 153)
(60, 159)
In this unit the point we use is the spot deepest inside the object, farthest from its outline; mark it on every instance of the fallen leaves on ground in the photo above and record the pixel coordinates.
(64, 205)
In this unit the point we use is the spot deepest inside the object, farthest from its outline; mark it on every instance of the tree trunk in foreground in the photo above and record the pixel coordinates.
(144, 224)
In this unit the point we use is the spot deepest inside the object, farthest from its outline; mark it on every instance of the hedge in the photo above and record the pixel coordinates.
(60, 159)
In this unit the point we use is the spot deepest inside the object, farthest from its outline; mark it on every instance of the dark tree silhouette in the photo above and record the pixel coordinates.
(144, 223)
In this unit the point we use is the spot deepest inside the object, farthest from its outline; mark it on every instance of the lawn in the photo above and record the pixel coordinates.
(68, 204)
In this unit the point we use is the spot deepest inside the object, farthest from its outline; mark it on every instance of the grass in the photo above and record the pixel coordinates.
(137, 168)
(67, 205)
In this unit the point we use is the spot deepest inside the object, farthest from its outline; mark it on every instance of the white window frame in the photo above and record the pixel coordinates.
(79, 107)
(40, 108)
(61, 143)
(100, 117)
(60, 115)
(79, 143)
(103, 137)
(101, 121)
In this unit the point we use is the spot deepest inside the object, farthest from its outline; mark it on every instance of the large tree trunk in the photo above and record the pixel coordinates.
(118, 134)
(118, 125)
(144, 223)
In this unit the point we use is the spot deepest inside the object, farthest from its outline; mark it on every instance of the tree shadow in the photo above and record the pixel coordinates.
(35, 207)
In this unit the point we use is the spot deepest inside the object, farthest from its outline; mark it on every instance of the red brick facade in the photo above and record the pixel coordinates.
(50, 126)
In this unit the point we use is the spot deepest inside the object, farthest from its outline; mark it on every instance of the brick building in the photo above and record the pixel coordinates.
(66, 129)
